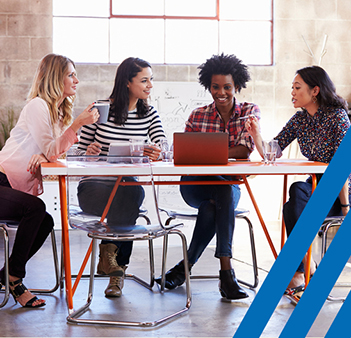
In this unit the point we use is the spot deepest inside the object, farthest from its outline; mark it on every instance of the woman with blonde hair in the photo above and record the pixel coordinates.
(44, 132)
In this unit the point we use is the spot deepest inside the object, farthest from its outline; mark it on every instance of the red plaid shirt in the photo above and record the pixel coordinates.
(208, 119)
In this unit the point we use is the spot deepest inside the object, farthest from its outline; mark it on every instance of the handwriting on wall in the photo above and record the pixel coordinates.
(175, 101)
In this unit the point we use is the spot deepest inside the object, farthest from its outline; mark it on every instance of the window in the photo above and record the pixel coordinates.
(163, 31)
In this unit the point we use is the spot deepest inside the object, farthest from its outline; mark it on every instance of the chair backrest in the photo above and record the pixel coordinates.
(92, 178)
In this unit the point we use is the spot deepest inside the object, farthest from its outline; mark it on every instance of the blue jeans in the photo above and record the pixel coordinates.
(299, 195)
(93, 195)
(216, 205)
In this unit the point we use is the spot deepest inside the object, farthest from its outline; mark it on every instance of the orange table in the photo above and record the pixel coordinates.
(237, 168)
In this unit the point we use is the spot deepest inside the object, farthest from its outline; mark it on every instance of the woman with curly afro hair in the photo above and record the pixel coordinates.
(224, 76)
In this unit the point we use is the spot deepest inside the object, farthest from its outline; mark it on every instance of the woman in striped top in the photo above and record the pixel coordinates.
(130, 116)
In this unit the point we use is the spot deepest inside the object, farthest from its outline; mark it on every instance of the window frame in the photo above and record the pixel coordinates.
(168, 17)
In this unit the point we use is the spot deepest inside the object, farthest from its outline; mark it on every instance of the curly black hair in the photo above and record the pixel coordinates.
(224, 65)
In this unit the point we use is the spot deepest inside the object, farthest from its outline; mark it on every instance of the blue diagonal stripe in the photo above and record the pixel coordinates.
(296, 246)
(321, 284)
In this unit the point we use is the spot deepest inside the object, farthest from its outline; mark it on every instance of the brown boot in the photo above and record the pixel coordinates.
(107, 262)
(114, 288)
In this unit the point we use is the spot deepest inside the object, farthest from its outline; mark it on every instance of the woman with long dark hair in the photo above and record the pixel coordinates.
(319, 128)
(130, 116)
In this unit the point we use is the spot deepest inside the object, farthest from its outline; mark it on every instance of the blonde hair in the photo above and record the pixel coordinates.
(48, 84)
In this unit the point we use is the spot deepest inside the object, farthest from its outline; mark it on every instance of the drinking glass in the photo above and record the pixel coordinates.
(269, 151)
(166, 151)
(137, 148)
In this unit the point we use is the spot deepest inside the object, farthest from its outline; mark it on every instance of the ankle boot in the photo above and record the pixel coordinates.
(115, 286)
(107, 263)
(175, 276)
(229, 287)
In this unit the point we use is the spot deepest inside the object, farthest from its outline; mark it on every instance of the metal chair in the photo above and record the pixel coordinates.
(5, 225)
(191, 214)
(6, 265)
(328, 223)
(98, 228)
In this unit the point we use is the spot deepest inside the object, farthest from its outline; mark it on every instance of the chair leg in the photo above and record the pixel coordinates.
(164, 262)
(253, 254)
(6, 266)
(325, 228)
(186, 269)
(56, 267)
(74, 316)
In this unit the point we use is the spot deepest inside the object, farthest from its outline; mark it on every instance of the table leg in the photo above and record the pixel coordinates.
(104, 214)
(309, 252)
(260, 218)
(285, 191)
(65, 242)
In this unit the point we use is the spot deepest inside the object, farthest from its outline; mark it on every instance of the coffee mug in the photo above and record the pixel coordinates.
(103, 107)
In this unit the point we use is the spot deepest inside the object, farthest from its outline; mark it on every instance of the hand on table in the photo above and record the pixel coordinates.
(152, 151)
(93, 149)
(34, 163)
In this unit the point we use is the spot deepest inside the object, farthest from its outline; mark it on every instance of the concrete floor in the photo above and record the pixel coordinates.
(209, 315)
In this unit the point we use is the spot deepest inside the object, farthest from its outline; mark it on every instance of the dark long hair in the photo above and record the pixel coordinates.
(317, 76)
(126, 71)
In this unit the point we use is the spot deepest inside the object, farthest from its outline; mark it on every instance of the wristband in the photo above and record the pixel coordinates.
(345, 205)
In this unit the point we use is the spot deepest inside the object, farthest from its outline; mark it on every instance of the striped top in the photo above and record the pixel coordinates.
(148, 126)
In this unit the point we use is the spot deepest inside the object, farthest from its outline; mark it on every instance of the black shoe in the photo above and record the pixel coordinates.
(175, 276)
(229, 287)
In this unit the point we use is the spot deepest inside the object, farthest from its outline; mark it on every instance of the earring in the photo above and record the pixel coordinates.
(314, 99)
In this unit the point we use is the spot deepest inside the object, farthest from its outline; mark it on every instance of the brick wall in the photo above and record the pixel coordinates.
(26, 36)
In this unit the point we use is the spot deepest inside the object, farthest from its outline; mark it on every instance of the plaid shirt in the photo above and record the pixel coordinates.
(208, 119)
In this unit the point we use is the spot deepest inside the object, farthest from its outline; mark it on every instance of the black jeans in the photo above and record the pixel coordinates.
(93, 195)
(35, 224)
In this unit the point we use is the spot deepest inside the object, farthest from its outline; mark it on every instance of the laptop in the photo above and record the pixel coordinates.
(200, 148)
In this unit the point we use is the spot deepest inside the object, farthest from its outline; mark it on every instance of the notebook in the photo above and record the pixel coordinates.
(200, 148)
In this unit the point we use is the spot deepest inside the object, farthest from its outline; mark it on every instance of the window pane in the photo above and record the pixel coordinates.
(137, 7)
(81, 39)
(190, 8)
(245, 10)
(99, 8)
(138, 38)
(249, 41)
(189, 41)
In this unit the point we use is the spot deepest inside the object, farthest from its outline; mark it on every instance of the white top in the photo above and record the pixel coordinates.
(33, 134)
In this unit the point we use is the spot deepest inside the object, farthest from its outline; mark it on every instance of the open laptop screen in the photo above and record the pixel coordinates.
(200, 148)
